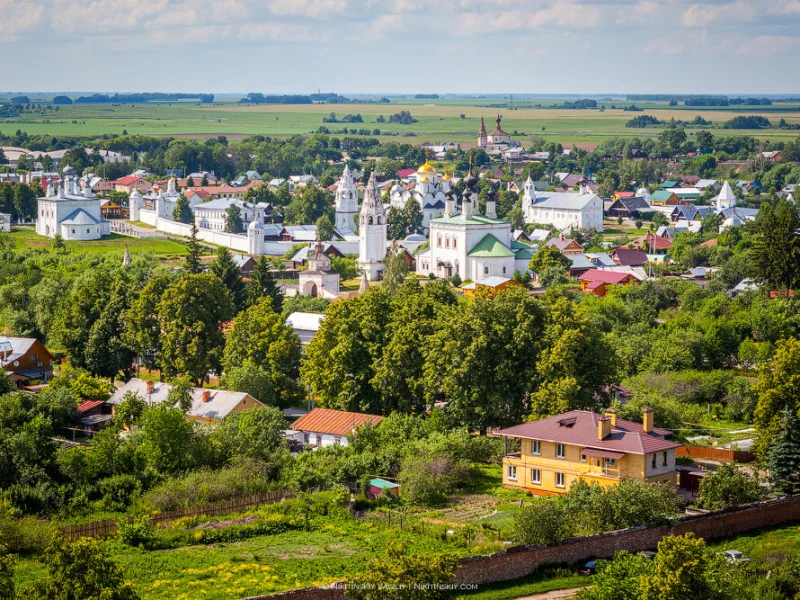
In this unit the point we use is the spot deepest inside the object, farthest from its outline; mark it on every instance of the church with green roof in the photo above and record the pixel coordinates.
(473, 245)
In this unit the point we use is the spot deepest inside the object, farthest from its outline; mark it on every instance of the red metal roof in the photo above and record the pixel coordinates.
(88, 405)
(579, 428)
(127, 180)
(599, 276)
(333, 422)
(630, 257)
(403, 173)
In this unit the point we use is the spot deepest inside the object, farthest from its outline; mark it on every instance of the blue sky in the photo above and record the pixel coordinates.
(401, 46)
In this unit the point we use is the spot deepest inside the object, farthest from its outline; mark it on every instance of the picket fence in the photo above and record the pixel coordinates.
(107, 527)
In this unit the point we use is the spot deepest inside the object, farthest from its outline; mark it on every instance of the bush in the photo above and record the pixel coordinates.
(119, 491)
(728, 486)
(428, 479)
(244, 478)
(544, 521)
(23, 535)
(135, 533)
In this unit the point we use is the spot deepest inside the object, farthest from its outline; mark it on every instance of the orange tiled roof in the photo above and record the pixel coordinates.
(333, 422)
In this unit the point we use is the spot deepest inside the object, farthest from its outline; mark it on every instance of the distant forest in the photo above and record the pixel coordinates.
(257, 98)
(699, 100)
(142, 97)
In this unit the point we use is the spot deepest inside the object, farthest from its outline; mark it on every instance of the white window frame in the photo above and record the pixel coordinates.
(511, 469)
(583, 457)
(536, 447)
(536, 476)
(560, 451)
(563, 479)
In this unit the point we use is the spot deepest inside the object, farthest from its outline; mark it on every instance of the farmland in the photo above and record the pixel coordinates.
(437, 120)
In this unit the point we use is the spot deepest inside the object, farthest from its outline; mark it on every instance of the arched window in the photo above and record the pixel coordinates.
(369, 220)
(447, 241)
(455, 242)
(439, 240)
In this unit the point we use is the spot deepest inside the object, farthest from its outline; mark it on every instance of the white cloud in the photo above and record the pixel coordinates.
(706, 15)
(766, 45)
(17, 17)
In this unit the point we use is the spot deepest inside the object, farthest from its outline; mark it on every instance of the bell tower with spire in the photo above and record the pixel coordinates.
(372, 232)
(482, 136)
(346, 202)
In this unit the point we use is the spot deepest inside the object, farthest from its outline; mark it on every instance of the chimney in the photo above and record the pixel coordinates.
(491, 206)
(150, 387)
(603, 428)
(611, 414)
(206, 396)
(647, 420)
(561, 236)
(449, 205)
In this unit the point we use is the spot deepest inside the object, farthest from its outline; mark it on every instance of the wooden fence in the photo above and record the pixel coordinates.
(109, 526)
(719, 454)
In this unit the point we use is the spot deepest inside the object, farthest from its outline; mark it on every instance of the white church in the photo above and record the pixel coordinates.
(346, 203)
(70, 212)
(562, 210)
(372, 228)
(473, 245)
(496, 142)
(430, 191)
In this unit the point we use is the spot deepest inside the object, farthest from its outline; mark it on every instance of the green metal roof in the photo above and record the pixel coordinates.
(523, 254)
(687, 194)
(490, 247)
(669, 184)
(382, 483)
(517, 245)
(661, 195)
(473, 220)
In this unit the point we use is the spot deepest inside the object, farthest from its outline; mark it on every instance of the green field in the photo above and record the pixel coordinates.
(438, 120)
(164, 247)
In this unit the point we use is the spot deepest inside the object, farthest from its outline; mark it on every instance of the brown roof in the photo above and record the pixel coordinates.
(333, 422)
(600, 276)
(579, 428)
(629, 257)
(709, 243)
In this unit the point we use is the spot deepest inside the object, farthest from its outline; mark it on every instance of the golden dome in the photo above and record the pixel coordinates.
(427, 169)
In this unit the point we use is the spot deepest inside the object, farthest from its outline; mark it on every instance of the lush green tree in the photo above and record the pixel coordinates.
(308, 204)
(87, 297)
(576, 365)
(775, 256)
(324, 228)
(260, 339)
(194, 251)
(618, 579)
(80, 569)
(180, 394)
(255, 433)
(183, 210)
(394, 271)
(483, 358)
(428, 479)
(24, 202)
(142, 333)
(783, 454)
(543, 521)
(685, 568)
(81, 383)
(190, 314)
(408, 576)
(230, 274)
(107, 352)
(262, 284)
(548, 257)
(166, 439)
(777, 388)
(728, 486)
(338, 363)
(415, 316)
(130, 409)
(233, 219)
(5, 383)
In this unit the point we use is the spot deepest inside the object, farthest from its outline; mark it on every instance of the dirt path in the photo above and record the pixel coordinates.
(554, 595)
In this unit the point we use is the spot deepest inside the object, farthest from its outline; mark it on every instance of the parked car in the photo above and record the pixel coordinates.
(648, 555)
(590, 568)
(735, 557)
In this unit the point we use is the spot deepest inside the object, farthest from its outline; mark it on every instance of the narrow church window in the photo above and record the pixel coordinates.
(439, 241)
(447, 242)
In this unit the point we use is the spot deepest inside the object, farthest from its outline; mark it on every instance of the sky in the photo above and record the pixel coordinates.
(401, 46)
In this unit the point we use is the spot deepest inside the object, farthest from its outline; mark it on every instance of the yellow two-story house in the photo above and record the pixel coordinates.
(598, 448)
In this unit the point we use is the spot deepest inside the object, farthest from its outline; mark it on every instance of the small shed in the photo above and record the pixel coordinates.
(378, 486)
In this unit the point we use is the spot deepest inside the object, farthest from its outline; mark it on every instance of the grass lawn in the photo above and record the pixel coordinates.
(258, 565)
(165, 247)
(763, 546)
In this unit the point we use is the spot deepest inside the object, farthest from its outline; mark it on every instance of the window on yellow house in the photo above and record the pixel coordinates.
(653, 462)
(559, 450)
(512, 472)
(559, 480)
(536, 447)
(536, 476)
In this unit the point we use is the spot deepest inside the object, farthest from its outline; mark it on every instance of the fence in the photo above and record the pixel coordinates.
(719, 454)
(124, 228)
(109, 526)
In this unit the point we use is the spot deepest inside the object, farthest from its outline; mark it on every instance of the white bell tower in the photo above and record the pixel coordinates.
(372, 232)
(346, 201)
